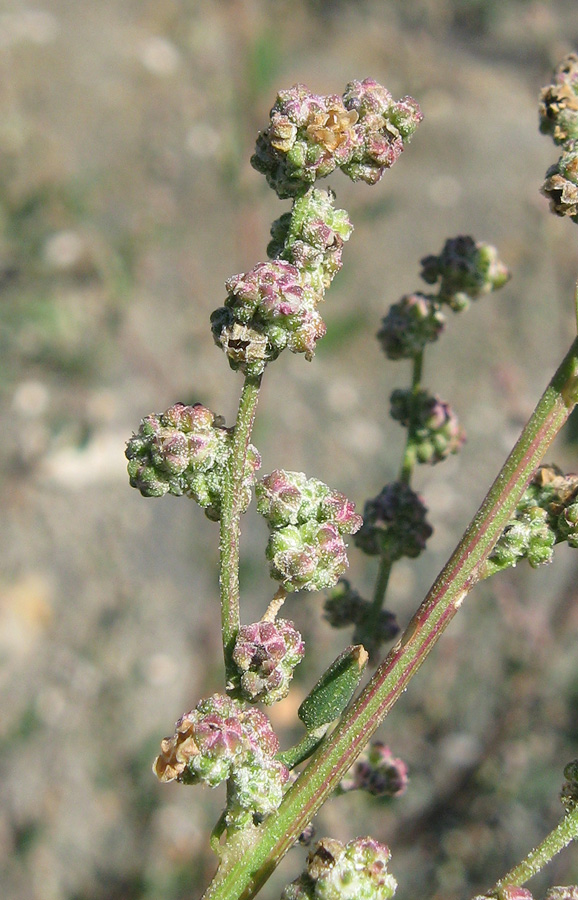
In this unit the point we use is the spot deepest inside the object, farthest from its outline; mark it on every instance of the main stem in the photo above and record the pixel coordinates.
(250, 858)
(230, 529)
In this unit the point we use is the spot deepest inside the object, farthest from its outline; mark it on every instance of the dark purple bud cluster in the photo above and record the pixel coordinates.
(354, 871)
(185, 450)
(466, 270)
(311, 237)
(558, 111)
(378, 772)
(409, 325)
(436, 432)
(344, 606)
(546, 515)
(306, 520)
(265, 654)
(394, 523)
(310, 135)
(223, 739)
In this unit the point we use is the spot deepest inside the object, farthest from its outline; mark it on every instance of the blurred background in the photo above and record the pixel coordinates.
(126, 200)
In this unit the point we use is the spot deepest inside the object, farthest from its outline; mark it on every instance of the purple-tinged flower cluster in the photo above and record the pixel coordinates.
(268, 309)
(265, 654)
(409, 325)
(185, 450)
(561, 185)
(306, 520)
(354, 871)
(311, 237)
(344, 606)
(378, 772)
(436, 432)
(223, 739)
(558, 108)
(466, 270)
(546, 515)
(394, 523)
(310, 135)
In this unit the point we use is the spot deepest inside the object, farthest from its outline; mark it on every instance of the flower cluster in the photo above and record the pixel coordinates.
(435, 430)
(394, 523)
(265, 654)
(344, 606)
(559, 118)
(222, 739)
(354, 871)
(466, 270)
(185, 450)
(310, 135)
(409, 325)
(306, 520)
(311, 237)
(378, 772)
(546, 515)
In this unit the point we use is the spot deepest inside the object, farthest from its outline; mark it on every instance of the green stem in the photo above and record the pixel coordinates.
(230, 527)
(565, 832)
(408, 461)
(250, 858)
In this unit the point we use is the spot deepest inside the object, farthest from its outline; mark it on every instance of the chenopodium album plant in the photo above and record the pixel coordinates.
(188, 450)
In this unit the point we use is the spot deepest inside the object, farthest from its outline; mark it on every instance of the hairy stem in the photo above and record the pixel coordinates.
(250, 858)
(230, 528)
(565, 832)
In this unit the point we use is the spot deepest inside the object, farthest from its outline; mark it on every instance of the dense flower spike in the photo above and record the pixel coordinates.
(466, 270)
(311, 237)
(265, 654)
(307, 520)
(436, 432)
(223, 739)
(558, 107)
(394, 523)
(409, 325)
(310, 135)
(356, 871)
(185, 450)
(378, 772)
(561, 185)
(546, 515)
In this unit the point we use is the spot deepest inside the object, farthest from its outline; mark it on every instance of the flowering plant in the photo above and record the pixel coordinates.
(188, 450)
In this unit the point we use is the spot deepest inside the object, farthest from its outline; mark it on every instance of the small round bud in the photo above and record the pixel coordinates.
(344, 606)
(466, 270)
(436, 431)
(561, 185)
(265, 654)
(409, 325)
(394, 523)
(378, 772)
(558, 107)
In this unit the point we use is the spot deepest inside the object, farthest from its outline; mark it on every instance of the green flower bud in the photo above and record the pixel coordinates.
(311, 237)
(466, 270)
(356, 871)
(394, 523)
